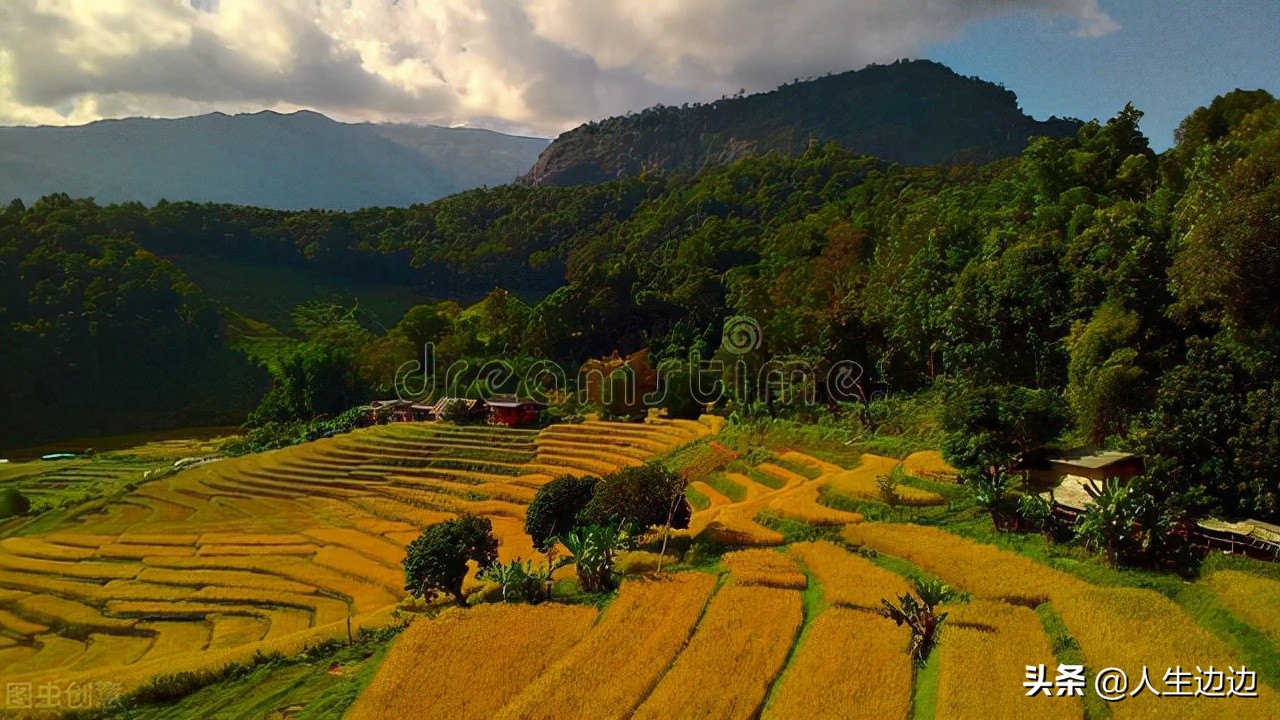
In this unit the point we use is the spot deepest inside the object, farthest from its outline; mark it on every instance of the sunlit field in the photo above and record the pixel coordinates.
(271, 551)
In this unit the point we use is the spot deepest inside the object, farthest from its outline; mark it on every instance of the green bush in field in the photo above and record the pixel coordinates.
(13, 503)
(639, 498)
(555, 507)
(457, 412)
(436, 562)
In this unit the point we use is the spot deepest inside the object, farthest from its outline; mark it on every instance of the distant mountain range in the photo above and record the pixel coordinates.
(295, 161)
(912, 112)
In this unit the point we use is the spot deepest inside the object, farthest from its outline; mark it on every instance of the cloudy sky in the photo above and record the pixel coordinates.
(543, 66)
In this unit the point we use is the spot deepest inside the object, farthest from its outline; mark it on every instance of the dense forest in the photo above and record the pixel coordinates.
(1135, 289)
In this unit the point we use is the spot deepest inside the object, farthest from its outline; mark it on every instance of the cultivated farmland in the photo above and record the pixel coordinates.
(276, 551)
(271, 551)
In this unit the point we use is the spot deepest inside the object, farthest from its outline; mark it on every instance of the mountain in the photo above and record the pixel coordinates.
(912, 112)
(295, 161)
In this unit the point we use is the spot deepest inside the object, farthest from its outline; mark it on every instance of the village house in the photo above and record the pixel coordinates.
(513, 412)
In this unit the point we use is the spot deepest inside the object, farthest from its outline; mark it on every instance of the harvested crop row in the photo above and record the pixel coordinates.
(373, 548)
(223, 578)
(56, 612)
(848, 579)
(233, 538)
(744, 637)
(233, 630)
(610, 671)
(53, 652)
(465, 665)
(33, 547)
(736, 530)
(801, 503)
(764, 567)
(1006, 638)
(113, 649)
(19, 625)
(851, 664)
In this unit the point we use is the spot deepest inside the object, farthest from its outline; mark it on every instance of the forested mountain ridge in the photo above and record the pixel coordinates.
(288, 161)
(913, 112)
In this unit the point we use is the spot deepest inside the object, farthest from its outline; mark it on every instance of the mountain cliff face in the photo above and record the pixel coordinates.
(916, 113)
(296, 161)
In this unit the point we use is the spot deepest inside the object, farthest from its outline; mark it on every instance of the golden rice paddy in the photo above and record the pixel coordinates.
(278, 550)
(466, 665)
(614, 667)
(850, 664)
(1006, 638)
(229, 557)
(744, 636)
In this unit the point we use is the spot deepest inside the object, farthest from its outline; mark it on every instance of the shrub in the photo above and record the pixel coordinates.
(639, 498)
(13, 503)
(436, 562)
(457, 411)
(521, 580)
(556, 506)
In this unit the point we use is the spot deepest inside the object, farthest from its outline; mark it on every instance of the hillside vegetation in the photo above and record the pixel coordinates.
(913, 112)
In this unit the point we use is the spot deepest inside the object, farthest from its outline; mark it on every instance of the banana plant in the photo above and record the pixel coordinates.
(592, 550)
(918, 613)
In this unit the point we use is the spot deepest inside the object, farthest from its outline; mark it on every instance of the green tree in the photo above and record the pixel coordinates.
(314, 379)
(555, 508)
(1105, 383)
(13, 503)
(638, 498)
(988, 428)
(436, 562)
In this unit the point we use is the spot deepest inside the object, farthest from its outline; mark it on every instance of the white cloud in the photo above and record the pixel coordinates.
(534, 65)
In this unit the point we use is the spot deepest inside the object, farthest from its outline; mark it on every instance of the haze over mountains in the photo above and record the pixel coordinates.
(912, 112)
(296, 161)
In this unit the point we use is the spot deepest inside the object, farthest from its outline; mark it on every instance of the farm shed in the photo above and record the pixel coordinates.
(1045, 468)
(394, 410)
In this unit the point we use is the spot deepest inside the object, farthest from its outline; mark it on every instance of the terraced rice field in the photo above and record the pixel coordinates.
(791, 488)
(1124, 627)
(276, 549)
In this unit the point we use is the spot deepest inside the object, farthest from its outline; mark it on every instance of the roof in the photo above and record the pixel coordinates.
(1071, 492)
(504, 403)
(445, 402)
(392, 403)
(1090, 457)
(1249, 528)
